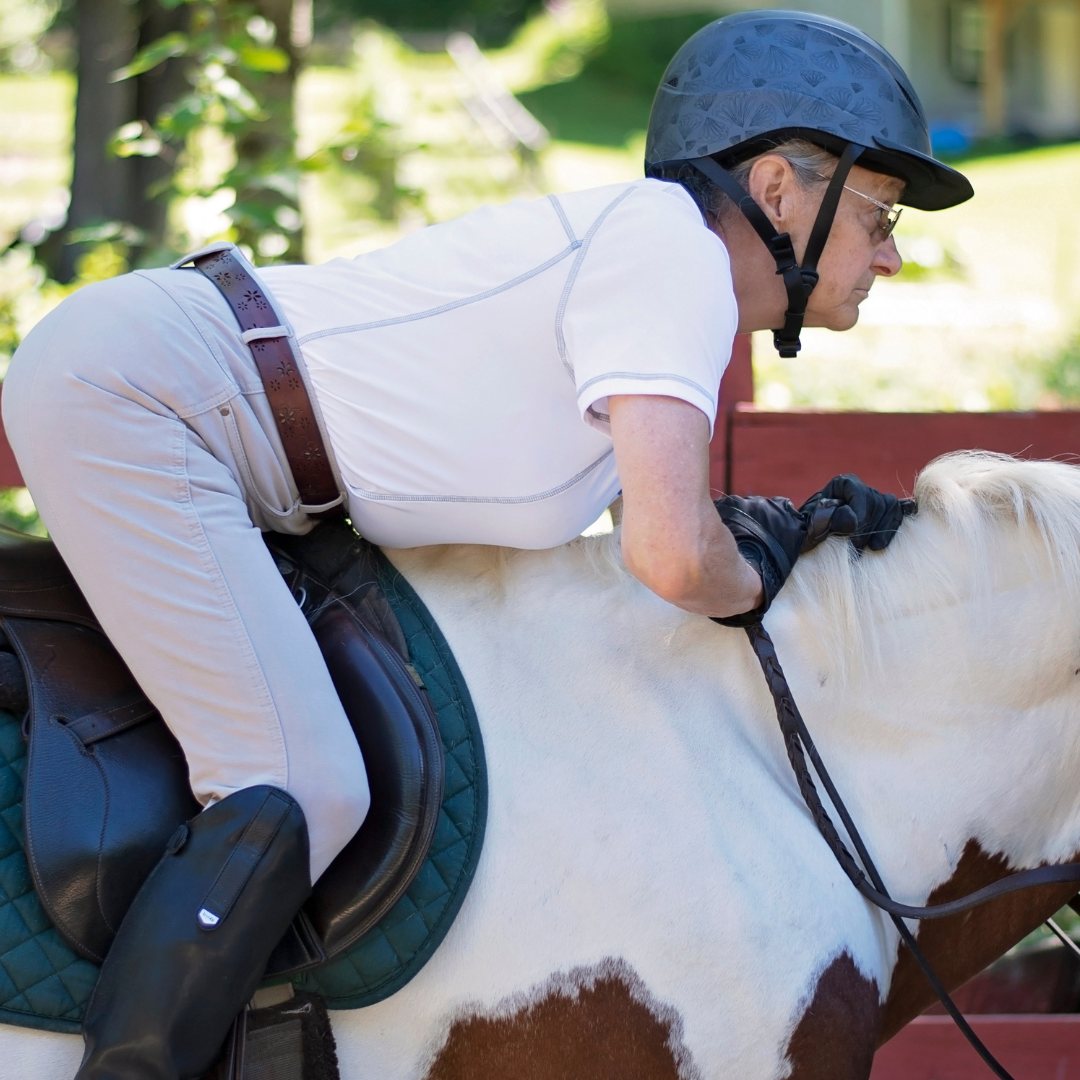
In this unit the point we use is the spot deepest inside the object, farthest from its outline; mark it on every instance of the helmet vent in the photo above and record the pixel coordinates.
(910, 100)
(673, 81)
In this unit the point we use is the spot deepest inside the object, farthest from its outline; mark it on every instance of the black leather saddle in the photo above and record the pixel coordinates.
(106, 782)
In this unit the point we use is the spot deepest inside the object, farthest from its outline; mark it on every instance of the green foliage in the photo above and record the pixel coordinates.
(609, 102)
(491, 22)
(369, 146)
(17, 511)
(155, 53)
(639, 50)
(1062, 375)
(22, 24)
(241, 88)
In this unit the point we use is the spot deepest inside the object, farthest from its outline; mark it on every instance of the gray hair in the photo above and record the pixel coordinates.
(810, 163)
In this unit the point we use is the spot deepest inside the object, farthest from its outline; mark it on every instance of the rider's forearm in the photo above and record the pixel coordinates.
(673, 541)
(695, 566)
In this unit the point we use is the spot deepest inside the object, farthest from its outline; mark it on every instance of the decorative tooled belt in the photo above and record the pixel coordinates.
(285, 390)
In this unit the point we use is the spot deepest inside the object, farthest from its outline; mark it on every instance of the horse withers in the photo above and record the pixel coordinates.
(653, 899)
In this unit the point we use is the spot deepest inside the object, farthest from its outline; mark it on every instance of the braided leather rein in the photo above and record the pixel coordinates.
(799, 746)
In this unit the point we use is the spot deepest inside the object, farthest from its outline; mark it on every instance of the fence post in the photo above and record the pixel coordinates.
(9, 470)
(737, 385)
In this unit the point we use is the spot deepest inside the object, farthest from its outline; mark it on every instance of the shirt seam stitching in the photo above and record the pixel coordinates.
(430, 312)
(567, 228)
(571, 278)
(645, 378)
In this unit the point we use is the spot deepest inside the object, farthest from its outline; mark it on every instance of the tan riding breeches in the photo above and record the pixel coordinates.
(143, 432)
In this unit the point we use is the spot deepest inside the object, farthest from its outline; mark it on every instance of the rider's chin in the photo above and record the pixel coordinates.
(845, 316)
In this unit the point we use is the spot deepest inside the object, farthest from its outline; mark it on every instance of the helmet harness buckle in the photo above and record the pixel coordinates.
(799, 281)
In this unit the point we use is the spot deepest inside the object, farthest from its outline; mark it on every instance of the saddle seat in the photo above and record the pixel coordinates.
(106, 783)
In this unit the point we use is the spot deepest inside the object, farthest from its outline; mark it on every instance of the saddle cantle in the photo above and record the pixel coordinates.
(106, 782)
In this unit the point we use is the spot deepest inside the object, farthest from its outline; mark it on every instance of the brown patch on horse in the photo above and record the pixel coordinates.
(837, 1035)
(960, 946)
(595, 1025)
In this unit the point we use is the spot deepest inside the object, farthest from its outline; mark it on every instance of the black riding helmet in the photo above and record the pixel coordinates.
(747, 83)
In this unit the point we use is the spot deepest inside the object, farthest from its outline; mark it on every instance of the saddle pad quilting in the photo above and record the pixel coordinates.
(44, 984)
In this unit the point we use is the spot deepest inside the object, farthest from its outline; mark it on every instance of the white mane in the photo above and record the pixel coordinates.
(985, 522)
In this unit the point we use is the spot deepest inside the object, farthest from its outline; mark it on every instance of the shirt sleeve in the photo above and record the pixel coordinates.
(651, 308)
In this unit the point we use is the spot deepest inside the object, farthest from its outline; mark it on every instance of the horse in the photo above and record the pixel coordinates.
(653, 900)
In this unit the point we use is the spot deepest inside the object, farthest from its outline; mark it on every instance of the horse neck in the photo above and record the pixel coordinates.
(955, 723)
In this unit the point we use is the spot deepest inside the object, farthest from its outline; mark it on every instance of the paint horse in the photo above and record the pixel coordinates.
(653, 900)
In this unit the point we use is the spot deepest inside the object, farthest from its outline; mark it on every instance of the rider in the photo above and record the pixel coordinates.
(495, 380)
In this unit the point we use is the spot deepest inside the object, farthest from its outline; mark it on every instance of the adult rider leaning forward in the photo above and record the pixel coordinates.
(494, 380)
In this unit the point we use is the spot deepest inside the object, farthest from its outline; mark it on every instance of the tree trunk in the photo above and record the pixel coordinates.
(99, 181)
(154, 90)
(268, 148)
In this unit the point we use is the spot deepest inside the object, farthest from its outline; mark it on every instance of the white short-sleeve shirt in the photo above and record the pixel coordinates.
(463, 373)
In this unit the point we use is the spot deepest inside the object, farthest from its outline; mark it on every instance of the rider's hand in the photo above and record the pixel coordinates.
(846, 506)
(769, 533)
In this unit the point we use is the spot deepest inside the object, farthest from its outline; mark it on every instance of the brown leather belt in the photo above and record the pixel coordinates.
(285, 390)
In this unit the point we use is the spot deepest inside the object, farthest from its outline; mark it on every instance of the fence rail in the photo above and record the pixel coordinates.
(793, 452)
(1046, 1047)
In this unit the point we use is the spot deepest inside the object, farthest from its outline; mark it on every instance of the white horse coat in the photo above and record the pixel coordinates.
(643, 819)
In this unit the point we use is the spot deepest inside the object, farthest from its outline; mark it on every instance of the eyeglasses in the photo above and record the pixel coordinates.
(888, 216)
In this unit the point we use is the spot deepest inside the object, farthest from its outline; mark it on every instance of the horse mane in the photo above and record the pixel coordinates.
(983, 519)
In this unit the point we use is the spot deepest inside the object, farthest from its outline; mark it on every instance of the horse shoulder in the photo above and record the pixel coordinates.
(959, 947)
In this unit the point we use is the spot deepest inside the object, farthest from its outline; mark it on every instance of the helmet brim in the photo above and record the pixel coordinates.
(929, 184)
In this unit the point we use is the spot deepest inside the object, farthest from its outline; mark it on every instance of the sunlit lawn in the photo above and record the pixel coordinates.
(991, 287)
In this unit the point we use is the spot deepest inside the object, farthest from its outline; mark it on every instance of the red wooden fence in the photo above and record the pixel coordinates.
(9, 471)
(794, 452)
(1030, 1047)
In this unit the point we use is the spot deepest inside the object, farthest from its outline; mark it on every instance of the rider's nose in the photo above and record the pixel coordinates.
(887, 261)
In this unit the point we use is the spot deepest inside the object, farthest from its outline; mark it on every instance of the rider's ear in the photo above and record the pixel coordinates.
(772, 184)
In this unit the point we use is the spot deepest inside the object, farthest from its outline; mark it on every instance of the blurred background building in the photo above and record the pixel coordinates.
(982, 67)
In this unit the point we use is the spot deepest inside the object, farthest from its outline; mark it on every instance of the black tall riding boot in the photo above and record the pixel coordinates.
(193, 947)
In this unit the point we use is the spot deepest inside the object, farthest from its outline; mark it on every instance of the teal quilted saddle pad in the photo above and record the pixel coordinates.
(44, 984)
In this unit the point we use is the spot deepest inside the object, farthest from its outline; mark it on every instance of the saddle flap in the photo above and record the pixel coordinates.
(35, 582)
(105, 785)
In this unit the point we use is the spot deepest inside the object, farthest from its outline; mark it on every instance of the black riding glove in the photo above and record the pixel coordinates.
(846, 506)
(769, 533)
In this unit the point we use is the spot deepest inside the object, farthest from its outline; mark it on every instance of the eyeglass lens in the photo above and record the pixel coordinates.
(887, 221)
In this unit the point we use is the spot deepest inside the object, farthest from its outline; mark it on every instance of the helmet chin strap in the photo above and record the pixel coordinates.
(799, 281)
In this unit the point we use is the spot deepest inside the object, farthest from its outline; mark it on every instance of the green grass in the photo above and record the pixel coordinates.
(608, 103)
(590, 109)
